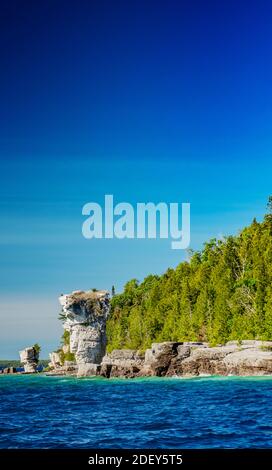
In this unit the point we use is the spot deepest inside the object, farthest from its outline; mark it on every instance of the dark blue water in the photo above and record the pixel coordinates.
(55, 412)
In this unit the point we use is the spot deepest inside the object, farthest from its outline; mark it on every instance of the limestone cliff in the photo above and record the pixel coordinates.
(84, 315)
(191, 359)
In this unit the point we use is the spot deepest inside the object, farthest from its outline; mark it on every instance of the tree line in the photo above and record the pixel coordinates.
(224, 292)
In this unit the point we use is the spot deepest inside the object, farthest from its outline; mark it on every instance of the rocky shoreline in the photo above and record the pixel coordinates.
(188, 359)
(84, 316)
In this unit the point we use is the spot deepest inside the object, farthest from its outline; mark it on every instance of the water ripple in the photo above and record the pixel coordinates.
(57, 412)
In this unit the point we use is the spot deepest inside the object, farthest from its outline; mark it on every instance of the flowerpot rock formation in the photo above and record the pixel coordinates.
(29, 357)
(85, 315)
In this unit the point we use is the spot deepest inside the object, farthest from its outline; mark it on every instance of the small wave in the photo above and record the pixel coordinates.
(203, 411)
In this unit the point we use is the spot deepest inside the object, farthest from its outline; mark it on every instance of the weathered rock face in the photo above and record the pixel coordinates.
(249, 362)
(203, 361)
(85, 316)
(183, 351)
(191, 359)
(122, 363)
(29, 358)
(159, 357)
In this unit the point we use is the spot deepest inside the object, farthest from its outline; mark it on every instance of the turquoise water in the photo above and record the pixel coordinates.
(59, 412)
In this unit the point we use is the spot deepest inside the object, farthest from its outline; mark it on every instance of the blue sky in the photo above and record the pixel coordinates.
(148, 101)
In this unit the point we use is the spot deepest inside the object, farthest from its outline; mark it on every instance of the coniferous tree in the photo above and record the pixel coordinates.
(223, 293)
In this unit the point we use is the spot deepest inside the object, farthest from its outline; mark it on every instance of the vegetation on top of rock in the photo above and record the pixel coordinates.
(37, 348)
(223, 293)
(91, 300)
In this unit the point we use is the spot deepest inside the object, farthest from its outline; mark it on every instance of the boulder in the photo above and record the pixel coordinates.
(88, 369)
(249, 362)
(175, 366)
(122, 363)
(204, 361)
(158, 358)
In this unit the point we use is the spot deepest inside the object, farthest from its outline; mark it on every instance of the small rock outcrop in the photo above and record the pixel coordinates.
(85, 315)
(58, 365)
(29, 357)
(158, 358)
(122, 363)
(249, 362)
(55, 360)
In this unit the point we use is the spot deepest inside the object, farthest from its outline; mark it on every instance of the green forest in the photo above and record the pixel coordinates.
(223, 292)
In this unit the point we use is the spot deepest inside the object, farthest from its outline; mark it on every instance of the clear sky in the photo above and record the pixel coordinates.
(146, 100)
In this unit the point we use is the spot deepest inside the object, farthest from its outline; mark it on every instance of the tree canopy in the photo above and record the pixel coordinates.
(223, 293)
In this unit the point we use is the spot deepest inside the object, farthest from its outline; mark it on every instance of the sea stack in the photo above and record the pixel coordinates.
(29, 358)
(85, 314)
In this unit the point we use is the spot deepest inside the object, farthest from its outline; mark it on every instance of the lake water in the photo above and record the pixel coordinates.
(60, 412)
